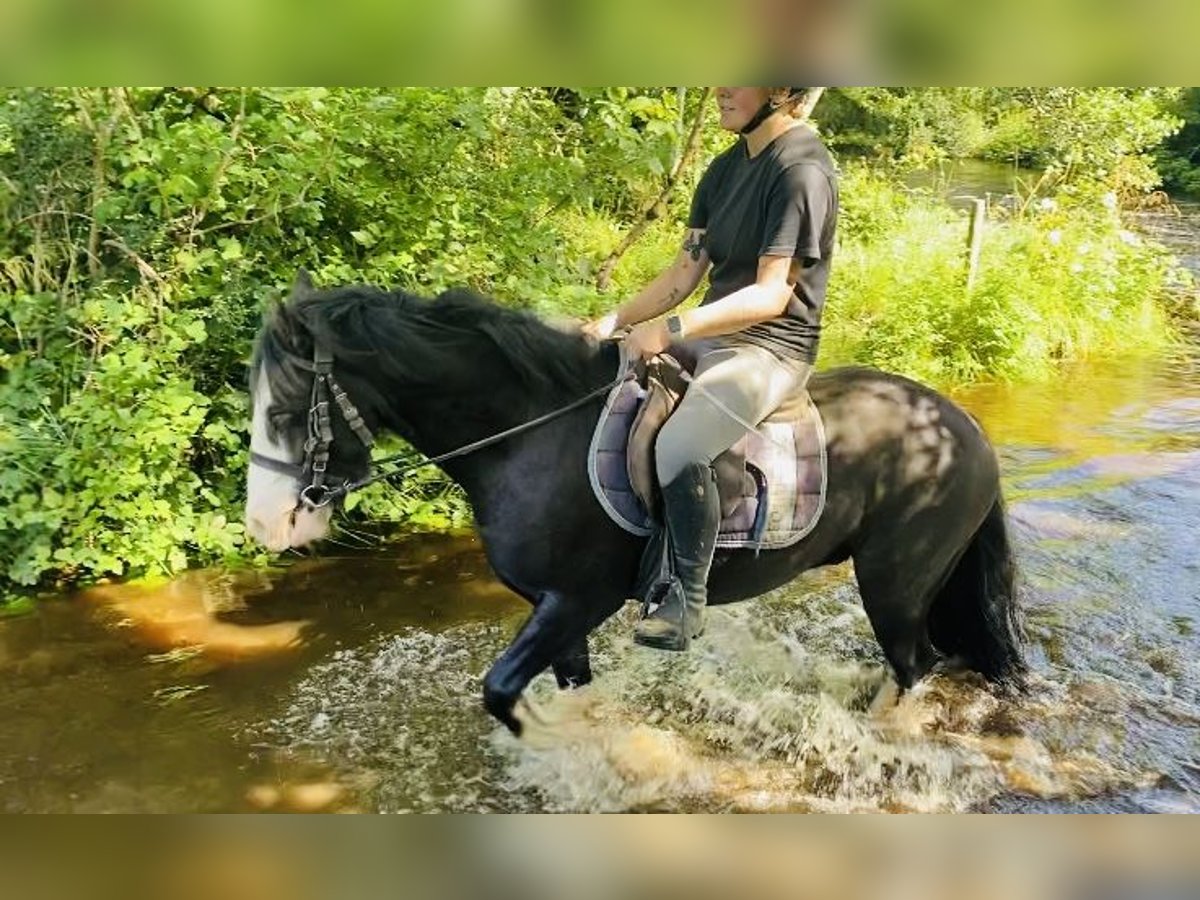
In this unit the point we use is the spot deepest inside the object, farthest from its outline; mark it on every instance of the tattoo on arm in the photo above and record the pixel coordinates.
(693, 244)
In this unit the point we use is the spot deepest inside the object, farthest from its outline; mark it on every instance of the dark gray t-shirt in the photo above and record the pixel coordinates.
(783, 202)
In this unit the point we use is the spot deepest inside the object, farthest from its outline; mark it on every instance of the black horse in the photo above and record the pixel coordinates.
(913, 495)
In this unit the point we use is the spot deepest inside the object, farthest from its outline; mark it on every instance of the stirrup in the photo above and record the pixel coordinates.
(654, 597)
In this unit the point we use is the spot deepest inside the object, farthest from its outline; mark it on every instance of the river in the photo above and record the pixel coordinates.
(349, 680)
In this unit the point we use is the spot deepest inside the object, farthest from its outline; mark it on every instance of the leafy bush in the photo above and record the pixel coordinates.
(1060, 279)
(143, 231)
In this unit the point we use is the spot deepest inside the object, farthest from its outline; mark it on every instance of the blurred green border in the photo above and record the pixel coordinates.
(530, 42)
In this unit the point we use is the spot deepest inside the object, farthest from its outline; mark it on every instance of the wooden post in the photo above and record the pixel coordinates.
(975, 240)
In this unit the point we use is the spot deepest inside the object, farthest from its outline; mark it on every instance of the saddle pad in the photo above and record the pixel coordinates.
(784, 497)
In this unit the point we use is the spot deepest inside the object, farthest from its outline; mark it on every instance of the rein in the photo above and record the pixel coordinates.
(318, 494)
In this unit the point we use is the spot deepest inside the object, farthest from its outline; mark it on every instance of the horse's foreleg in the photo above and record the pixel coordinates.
(551, 633)
(572, 667)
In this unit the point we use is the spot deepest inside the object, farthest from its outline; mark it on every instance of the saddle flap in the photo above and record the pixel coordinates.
(665, 386)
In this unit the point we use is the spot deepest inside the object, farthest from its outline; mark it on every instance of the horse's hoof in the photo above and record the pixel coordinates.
(500, 708)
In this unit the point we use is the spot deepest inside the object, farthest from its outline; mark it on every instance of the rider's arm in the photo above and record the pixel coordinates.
(766, 299)
(666, 291)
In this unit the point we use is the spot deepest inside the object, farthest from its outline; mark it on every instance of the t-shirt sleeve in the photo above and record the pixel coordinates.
(798, 204)
(702, 199)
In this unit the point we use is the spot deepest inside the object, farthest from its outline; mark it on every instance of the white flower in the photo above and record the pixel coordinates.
(1055, 237)
(1047, 204)
(1128, 237)
(1109, 200)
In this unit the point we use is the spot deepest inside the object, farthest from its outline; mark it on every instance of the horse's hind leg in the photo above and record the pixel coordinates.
(897, 598)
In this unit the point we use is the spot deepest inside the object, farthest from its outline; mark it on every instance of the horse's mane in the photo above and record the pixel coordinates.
(457, 341)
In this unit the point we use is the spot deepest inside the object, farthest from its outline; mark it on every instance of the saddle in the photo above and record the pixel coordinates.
(771, 483)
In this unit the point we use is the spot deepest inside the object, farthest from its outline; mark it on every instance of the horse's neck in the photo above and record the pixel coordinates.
(440, 422)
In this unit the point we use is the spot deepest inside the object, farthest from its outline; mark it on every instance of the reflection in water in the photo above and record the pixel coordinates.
(184, 618)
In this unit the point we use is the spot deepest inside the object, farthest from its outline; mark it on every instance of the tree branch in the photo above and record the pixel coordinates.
(604, 277)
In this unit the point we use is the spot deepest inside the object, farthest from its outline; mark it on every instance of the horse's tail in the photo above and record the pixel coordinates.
(974, 616)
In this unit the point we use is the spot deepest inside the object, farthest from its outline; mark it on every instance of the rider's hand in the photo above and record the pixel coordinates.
(647, 340)
(601, 329)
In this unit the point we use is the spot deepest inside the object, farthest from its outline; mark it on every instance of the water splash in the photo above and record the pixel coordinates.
(754, 720)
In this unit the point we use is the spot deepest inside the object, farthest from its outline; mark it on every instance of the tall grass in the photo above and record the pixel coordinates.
(1059, 279)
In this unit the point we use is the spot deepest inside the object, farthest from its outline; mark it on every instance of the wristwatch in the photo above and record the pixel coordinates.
(675, 328)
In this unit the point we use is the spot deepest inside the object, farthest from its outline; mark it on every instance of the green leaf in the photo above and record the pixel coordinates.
(231, 248)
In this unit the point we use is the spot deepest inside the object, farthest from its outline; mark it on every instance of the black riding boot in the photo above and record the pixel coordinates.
(692, 515)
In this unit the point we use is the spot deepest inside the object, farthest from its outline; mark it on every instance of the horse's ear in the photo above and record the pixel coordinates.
(303, 284)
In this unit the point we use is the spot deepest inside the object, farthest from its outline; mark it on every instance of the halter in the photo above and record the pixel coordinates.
(318, 494)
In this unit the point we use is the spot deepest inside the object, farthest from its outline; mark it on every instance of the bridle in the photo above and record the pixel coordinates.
(319, 492)
(314, 467)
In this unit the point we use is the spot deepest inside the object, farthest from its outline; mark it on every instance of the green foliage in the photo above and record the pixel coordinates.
(1097, 134)
(143, 231)
(1102, 135)
(1060, 279)
(97, 460)
(920, 125)
(1178, 160)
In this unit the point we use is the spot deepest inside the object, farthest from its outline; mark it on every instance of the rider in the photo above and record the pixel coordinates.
(763, 217)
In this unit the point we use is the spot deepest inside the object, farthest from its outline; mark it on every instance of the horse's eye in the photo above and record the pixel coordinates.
(282, 419)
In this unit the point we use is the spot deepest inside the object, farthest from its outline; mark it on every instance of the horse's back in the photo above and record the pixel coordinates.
(867, 412)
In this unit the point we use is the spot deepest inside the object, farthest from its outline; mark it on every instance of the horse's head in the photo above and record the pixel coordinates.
(305, 439)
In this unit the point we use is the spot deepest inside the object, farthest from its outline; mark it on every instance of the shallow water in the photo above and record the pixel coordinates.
(350, 680)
